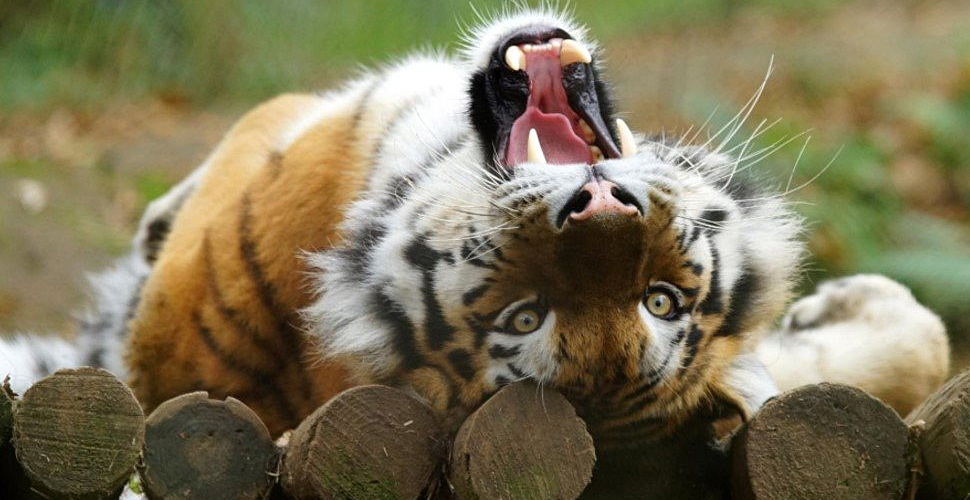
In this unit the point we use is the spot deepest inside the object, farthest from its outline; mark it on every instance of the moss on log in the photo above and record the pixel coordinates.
(78, 434)
(206, 449)
(369, 442)
(525, 443)
(945, 440)
(823, 441)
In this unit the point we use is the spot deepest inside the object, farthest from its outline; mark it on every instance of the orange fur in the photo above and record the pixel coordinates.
(230, 268)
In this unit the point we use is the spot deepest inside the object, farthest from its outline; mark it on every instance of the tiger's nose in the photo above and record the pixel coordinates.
(596, 197)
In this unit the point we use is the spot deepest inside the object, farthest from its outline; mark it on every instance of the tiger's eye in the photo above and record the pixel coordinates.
(660, 304)
(526, 321)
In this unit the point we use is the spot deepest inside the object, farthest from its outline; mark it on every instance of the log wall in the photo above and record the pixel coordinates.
(81, 434)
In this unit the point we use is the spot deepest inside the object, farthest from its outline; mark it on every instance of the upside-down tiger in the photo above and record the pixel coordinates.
(450, 225)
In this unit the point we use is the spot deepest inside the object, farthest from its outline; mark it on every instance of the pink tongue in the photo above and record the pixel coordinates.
(559, 144)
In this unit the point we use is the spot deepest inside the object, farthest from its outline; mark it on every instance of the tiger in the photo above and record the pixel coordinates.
(451, 224)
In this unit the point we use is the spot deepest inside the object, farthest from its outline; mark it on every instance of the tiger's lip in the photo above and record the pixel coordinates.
(548, 80)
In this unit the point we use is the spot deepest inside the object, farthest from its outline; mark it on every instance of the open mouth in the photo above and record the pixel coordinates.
(545, 102)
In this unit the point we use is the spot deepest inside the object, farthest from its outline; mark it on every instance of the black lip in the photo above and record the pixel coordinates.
(581, 86)
(499, 96)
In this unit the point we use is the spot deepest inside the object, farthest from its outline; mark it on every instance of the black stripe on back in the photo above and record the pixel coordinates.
(264, 381)
(233, 316)
(247, 248)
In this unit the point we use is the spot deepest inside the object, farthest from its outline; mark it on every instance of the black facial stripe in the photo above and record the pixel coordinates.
(402, 330)
(425, 259)
(696, 268)
(713, 302)
(398, 188)
(743, 295)
(472, 250)
(472, 296)
(360, 252)
(714, 215)
(500, 351)
(743, 188)
(636, 398)
(461, 361)
(687, 236)
(515, 371)
(693, 340)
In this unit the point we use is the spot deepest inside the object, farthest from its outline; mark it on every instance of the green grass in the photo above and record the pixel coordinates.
(80, 53)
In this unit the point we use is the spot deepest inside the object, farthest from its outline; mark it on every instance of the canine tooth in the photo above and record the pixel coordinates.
(534, 149)
(628, 146)
(596, 153)
(588, 133)
(515, 58)
(573, 52)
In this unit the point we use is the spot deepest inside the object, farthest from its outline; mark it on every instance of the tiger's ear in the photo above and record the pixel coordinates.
(745, 385)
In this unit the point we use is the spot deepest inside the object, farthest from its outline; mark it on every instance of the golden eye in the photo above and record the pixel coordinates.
(526, 320)
(660, 303)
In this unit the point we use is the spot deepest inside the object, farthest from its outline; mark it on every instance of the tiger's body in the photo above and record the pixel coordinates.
(404, 230)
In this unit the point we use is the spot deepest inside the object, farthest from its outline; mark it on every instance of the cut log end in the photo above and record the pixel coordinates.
(945, 440)
(823, 441)
(369, 442)
(78, 433)
(200, 448)
(524, 443)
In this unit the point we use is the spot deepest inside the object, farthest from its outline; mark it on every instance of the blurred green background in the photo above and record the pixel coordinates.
(104, 104)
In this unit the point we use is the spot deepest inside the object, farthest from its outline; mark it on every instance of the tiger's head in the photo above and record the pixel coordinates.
(555, 245)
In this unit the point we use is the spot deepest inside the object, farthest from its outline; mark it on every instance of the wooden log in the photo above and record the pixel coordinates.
(78, 434)
(524, 443)
(369, 442)
(13, 481)
(822, 441)
(206, 449)
(945, 440)
(6, 412)
(690, 465)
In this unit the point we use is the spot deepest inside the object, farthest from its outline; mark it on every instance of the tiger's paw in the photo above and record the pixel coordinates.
(871, 298)
(864, 330)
